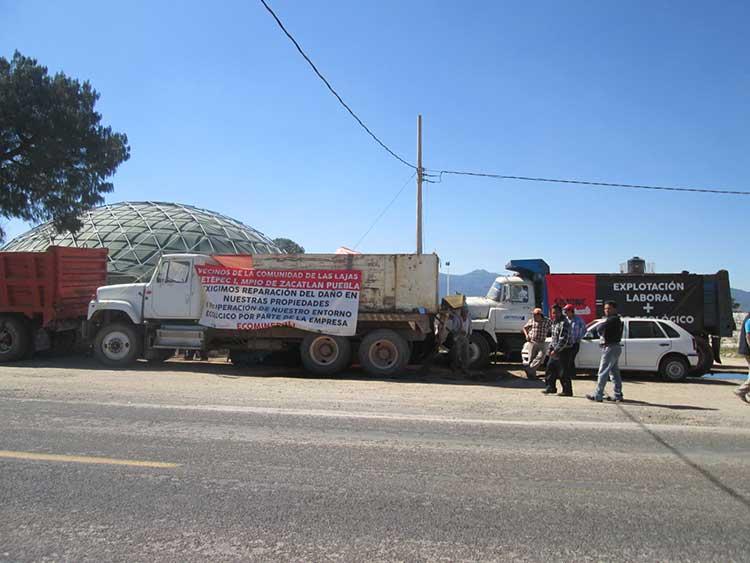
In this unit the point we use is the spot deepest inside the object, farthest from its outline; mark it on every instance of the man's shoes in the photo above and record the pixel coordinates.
(549, 391)
(619, 399)
(742, 394)
(593, 398)
(564, 394)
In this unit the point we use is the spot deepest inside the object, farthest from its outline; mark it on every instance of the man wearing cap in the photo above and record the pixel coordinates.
(536, 330)
(577, 330)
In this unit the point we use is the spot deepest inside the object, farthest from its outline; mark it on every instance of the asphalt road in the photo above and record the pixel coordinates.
(257, 480)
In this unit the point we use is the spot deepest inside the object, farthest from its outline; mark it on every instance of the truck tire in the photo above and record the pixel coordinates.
(674, 368)
(117, 345)
(479, 351)
(383, 353)
(15, 339)
(323, 354)
(705, 357)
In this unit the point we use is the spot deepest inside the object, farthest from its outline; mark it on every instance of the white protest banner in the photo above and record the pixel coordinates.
(317, 300)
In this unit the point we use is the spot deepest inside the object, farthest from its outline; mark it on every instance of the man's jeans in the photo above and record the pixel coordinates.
(745, 387)
(609, 369)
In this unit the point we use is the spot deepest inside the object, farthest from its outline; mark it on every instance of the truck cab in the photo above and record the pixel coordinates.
(156, 317)
(498, 317)
(173, 293)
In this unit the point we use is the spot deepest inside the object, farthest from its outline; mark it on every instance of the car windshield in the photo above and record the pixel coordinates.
(496, 292)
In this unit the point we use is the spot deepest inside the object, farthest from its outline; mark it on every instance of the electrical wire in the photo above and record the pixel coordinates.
(328, 85)
(588, 183)
(479, 174)
(386, 208)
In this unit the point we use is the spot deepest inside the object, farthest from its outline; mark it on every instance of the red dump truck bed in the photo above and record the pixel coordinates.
(54, 285)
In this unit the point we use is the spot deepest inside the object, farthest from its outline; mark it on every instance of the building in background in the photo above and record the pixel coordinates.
(138, 233)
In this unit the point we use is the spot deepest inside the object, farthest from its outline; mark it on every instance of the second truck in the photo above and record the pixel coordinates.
(699, 303)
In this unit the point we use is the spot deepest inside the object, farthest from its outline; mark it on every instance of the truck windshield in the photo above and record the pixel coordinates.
(496, 292)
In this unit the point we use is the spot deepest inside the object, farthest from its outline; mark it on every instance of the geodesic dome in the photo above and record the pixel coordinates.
(138, 233)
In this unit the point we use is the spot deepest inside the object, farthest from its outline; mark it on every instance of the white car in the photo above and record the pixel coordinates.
(648, 344)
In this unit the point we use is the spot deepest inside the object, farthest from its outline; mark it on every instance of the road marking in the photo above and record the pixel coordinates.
(34, 456)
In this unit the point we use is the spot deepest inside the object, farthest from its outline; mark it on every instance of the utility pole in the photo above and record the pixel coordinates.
(419, 184)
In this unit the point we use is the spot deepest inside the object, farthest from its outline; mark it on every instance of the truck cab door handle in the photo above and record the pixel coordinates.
(663, 344)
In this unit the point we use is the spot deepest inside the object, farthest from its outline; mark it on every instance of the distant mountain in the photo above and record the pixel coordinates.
(742, 297)
(479, 281)
(474, 283)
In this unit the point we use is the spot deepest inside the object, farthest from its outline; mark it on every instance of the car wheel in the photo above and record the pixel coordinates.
(674, 368)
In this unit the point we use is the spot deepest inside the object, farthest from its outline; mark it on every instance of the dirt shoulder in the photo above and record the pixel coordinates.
(503, 395)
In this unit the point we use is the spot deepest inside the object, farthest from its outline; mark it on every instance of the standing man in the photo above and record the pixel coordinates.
(460, 328)
(744, 390)
(577, 330)
(609, 331)
(536, 330)
(559, 352)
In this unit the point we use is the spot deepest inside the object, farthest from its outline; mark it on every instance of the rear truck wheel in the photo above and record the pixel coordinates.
(323, 354)
(117, 345)
(15, 339)
(674, 368)
(705, 356)
(383, 353)
(479, 351)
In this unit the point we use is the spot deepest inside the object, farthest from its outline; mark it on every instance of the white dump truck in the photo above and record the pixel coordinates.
(376, 309)
(699, 303)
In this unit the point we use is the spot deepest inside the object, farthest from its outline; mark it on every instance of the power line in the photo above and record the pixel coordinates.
(587, 183)
(386, 208)
(481, 174)
(328, 85)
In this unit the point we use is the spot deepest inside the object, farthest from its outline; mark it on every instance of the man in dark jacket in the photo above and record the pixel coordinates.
(609, 331)
(743, 391)
(559, 353)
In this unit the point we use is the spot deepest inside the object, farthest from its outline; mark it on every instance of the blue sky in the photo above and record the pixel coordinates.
(222, 113)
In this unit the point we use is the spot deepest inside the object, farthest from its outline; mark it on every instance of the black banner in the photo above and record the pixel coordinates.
(678, 298)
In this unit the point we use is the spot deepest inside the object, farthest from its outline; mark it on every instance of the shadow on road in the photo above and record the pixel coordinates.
(671, 407)
(705, 473)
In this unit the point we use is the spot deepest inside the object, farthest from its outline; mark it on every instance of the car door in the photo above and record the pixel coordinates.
(170, 292)
(589, 353)
(645, 345)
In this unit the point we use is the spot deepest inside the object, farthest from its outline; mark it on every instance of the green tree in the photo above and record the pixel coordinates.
(289, 246)
(55, 155)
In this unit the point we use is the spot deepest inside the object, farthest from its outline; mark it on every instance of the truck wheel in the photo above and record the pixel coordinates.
(15, 339)
(705, 356)
(323, 354)
(383, 353)
(674, 368)
(479, 351)
(117, 345)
